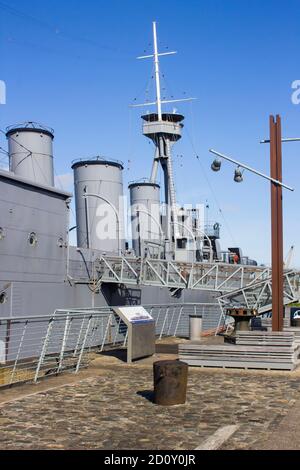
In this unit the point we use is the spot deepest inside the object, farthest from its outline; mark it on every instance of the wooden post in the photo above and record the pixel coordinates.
(276, 224)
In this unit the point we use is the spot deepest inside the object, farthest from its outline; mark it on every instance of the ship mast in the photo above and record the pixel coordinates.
(164, 129)
(157, 73)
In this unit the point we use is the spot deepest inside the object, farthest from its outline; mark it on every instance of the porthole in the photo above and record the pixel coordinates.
(3, 297)
(2, 233)
(60, 242)
(32, 239)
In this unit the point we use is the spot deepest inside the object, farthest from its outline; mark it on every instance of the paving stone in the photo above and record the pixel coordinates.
(115, 411)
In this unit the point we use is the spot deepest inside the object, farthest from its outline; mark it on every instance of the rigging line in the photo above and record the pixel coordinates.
(14, 140)
(57, 176)
(146, 88)
(93, 221)
(74, 222)
(23, 159)
(34, 159)
(33, 170)
(130, 139)
(20, 14)
(40, 168)
(5, 152)
(54, 29)
(30, 152)
(209, 183)
(217, 203)
(166, 83)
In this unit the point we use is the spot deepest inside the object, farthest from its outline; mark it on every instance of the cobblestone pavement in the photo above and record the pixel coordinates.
(114, 411)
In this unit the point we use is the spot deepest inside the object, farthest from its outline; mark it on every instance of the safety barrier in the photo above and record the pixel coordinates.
(33, 348)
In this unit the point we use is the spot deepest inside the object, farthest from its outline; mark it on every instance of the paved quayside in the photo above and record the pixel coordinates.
(109, 407)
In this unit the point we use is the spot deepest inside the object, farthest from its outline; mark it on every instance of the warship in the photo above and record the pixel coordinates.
(174, 255)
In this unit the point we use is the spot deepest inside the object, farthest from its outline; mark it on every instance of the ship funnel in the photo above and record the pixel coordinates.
(99, 204)
(145, 218)
(30, 148)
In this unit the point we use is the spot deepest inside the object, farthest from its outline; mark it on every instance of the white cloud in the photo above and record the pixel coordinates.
(64, 181)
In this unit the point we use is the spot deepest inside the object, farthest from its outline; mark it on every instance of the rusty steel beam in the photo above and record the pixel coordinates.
(276, 223)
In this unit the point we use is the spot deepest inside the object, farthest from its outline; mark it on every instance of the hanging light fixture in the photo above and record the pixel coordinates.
(216, 165)
(238, 175)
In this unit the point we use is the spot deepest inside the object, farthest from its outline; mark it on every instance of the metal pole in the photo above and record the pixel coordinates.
(44, 349)
(161, 233)
(18, 354)
(178, 321)
(115, 211)
(276, 223)
(165, 319)
(64, 343)
(157, 76)
(139, 234)
(290, 139)
(87, 220)
(83, 346)
(246, 167)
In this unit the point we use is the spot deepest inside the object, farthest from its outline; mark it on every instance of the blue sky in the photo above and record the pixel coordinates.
(71, 65)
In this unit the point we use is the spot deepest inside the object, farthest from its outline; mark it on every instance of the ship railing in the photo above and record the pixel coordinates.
(34, 348)
(219, 277)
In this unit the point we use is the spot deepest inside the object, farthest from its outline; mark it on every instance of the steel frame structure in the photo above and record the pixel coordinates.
(258, 295)
(217, 277)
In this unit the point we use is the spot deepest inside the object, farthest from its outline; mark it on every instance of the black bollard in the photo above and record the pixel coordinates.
(170, 382)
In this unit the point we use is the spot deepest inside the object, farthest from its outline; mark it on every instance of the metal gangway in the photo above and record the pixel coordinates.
(217, 277)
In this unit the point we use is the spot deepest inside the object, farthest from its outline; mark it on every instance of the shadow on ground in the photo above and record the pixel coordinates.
(120, 354)
(147, 394)
(166, 348)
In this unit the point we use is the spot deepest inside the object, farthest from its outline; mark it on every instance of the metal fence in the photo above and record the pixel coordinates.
(33, 348)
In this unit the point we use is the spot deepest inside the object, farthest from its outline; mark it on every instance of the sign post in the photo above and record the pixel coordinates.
(141, 331)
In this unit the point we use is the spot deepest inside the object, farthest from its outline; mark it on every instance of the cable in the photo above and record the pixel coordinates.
(146, 88)
(5, 152)
(208, 182)
(54, 29)
(14, 140)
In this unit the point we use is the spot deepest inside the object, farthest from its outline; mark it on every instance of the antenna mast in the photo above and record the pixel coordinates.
(157, 73)
(164, 129)
(155, 56)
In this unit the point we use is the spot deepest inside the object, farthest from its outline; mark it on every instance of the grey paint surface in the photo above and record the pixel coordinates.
(36, 165)
(25, 209)
(96, 220)
(145, 197)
